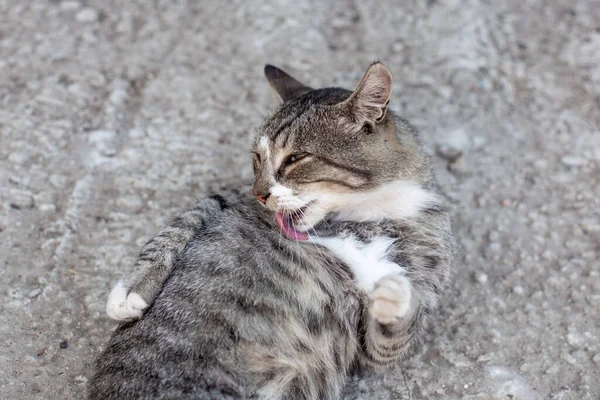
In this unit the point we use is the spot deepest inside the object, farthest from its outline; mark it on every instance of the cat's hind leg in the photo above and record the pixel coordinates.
(138, 290)
(122, 305)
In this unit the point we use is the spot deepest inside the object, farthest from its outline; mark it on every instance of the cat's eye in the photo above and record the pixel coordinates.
(289, 160)
(256, 161)
(292, 158)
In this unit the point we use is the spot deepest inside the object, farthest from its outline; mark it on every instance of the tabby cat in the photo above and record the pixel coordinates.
(332, 263)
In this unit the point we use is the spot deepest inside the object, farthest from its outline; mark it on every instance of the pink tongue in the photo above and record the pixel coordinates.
(286, 227)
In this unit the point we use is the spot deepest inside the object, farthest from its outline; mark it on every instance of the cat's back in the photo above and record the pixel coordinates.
(242, 306)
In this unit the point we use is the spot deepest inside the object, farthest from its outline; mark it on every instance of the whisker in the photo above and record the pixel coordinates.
(316, 205)
(294, 213)
(280, 233)
(318, 247)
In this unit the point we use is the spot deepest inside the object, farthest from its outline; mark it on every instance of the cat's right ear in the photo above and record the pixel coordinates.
(284, 85)
(369, 102)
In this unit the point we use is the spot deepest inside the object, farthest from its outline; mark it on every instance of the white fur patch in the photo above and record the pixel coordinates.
(368, 261)
(280, 191)
(286, 200)
(391, 298)
(263, 144)
(122, 306)
(395, 200)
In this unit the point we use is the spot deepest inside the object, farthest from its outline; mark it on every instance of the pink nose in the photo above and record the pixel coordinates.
(260, 194)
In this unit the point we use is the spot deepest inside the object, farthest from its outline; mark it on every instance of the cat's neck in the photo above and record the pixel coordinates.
(396, 200)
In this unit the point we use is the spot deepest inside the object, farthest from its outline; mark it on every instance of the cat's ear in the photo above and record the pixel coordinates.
(284, 85)
(369, 102)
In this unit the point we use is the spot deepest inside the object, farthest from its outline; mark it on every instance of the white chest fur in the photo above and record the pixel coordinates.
(368, 261)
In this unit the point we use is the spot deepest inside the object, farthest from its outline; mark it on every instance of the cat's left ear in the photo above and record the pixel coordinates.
(284, 85)
(369, 102)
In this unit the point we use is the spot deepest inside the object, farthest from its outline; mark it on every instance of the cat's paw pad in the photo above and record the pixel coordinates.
(390, 299)
(123, 306)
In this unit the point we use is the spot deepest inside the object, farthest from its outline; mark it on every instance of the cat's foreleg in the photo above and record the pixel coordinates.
(137, 290)
(392, 322)
(397, 314)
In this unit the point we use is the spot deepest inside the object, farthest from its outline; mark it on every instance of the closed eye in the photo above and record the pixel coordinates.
(292, 158)
(256, 160)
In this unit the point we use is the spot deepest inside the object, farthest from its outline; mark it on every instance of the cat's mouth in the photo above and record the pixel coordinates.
(287, 221)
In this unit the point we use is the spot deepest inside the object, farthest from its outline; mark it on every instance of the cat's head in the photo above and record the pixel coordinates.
(333, 152)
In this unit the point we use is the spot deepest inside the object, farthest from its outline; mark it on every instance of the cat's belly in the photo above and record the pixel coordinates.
(281, 315)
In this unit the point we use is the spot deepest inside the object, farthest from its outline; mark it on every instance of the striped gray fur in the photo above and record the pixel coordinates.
(237, 310)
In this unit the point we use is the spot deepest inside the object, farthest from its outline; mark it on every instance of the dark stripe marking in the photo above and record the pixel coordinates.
(363, 173)
(221, 200)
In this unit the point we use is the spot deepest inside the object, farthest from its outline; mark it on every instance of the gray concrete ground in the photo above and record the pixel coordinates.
(115, 114)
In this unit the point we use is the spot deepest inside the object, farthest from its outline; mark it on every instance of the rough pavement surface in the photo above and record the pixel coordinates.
(114, 115)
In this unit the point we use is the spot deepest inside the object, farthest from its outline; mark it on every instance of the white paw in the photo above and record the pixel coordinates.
(122, 306)
(390, 299)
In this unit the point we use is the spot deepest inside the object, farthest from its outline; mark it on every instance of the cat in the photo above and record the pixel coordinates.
(332, 262)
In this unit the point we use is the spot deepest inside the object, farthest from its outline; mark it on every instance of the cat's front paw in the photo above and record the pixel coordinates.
(391, 298)
(123, 305)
